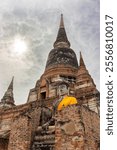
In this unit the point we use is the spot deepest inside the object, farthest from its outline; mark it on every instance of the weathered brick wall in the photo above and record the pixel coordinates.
(20, 134)
(7, 116)
(23, 128)
(20, 123)
(92, 128)
(69, 130)
(77, 128)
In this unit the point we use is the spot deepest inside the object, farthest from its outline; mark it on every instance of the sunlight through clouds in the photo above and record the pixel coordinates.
(19, 47)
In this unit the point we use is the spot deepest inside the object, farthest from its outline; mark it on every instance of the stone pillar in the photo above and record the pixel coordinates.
(47, 88)
(69, 130)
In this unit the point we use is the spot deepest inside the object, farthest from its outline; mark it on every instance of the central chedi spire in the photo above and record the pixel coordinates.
(62, 54)
(61, 40)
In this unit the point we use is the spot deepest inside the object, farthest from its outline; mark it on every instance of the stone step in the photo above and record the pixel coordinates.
(44, 137)
(39, 146)
(49, 142)
(39, 129)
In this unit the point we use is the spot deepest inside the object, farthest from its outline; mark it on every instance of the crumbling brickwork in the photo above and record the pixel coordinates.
(69, 129)
(20, 135)
(77, 128)
(23, 129)
(18, 125)
(91, 123)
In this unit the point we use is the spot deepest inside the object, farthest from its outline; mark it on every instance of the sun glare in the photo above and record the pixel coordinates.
(19, 46)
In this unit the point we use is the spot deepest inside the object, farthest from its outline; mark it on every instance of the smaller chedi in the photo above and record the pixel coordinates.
(8, 98)
(62, 110)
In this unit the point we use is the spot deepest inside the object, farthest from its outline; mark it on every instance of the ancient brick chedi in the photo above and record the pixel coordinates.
(62, 110)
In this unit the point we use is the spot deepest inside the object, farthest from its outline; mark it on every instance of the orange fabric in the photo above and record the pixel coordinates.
(66, 101)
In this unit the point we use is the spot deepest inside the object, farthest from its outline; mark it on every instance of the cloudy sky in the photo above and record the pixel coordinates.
(32, 25)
